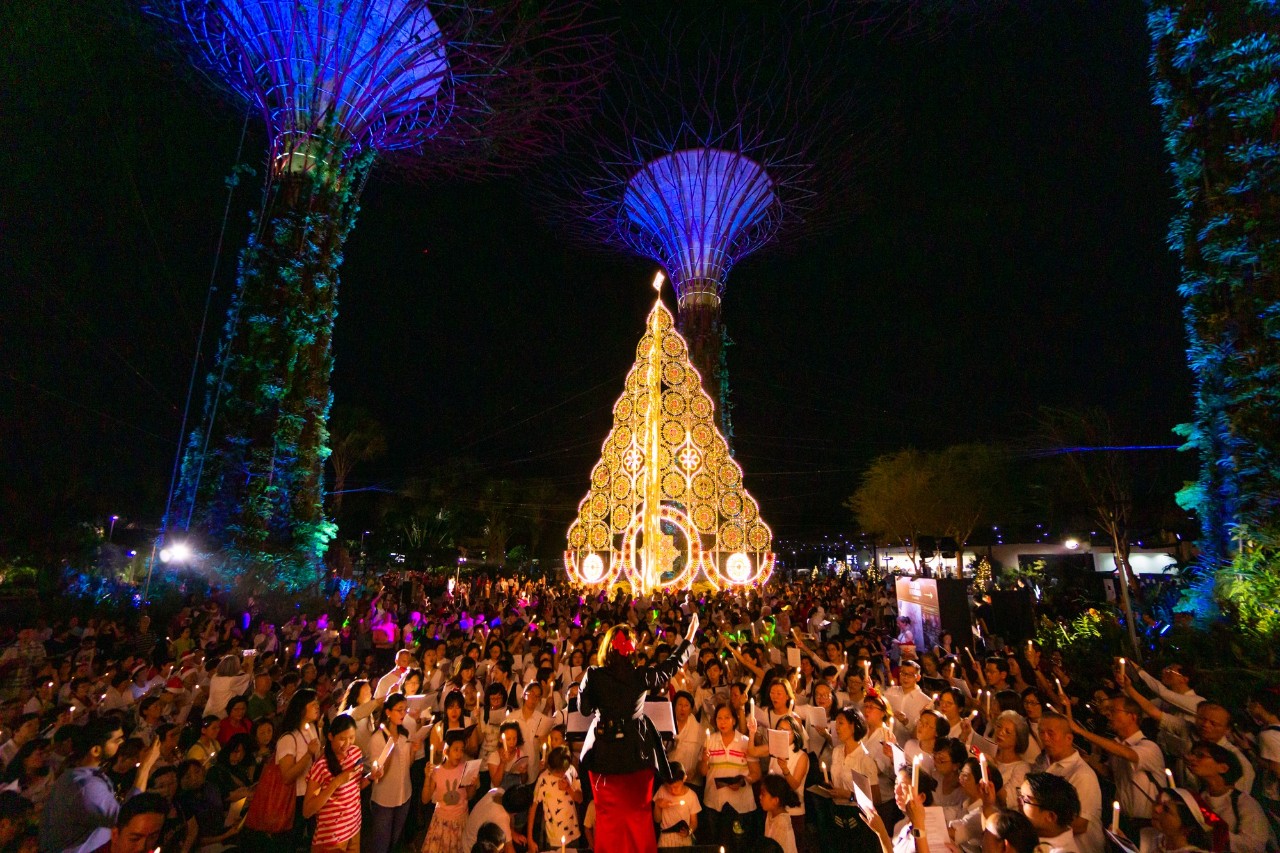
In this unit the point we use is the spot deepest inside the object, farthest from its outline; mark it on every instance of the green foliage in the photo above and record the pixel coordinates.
(1249, 589)
(16, 576)
(909, 494)
(1032, 573)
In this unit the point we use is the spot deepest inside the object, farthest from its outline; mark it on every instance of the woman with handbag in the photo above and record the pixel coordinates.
(275, 811)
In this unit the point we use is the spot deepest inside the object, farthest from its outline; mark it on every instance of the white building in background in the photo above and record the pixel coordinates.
(1143, 560)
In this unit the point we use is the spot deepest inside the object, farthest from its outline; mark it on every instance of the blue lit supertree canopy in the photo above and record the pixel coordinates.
(716, 142)
(341, 85)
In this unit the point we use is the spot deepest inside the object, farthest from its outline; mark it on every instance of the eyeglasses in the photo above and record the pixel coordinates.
(1024, 800)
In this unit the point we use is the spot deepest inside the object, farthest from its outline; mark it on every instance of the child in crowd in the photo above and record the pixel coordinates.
(776, 796)
(676, 808)
(558, 792)
(446, 787)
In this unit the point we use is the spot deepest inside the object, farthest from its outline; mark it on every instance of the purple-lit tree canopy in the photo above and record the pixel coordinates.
(716, 141)
(340, 84)
(372, 76)
(696, 211)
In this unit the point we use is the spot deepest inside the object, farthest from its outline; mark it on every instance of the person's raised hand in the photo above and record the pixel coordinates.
(988, 793)
(690, 634)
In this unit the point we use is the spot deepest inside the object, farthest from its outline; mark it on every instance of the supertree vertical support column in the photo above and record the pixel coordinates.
(340, 85)
(1215, 66)
(713, 144)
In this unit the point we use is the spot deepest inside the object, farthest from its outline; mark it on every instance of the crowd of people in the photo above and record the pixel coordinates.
(433, 718)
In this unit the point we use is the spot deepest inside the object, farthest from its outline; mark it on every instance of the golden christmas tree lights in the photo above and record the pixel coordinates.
(667, 508)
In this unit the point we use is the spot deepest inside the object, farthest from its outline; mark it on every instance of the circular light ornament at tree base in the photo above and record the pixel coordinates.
(593, 569)
(669, 476)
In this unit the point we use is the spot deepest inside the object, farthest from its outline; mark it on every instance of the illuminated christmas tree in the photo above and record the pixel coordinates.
(667, 507)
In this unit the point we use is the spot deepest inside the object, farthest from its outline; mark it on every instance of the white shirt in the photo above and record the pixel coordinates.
(488, 810)
(687, 749)
(672, 809)
(907, 705)
(1064, 843)
(778, 828)
(1245, 819)
(222, 688)
(534, 729)
(1076, 770)
(295, 744)
(394, 788)
(1138, 784)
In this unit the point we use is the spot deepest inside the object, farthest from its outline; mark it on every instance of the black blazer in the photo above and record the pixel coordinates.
(621, 739)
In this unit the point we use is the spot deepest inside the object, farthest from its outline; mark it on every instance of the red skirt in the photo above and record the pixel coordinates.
(624, 812)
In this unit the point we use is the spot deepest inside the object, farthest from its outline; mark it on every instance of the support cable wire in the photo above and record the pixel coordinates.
(204, 322)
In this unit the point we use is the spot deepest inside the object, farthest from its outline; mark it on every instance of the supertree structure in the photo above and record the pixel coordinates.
(339, 85)
(1215, 67)
(710, 149)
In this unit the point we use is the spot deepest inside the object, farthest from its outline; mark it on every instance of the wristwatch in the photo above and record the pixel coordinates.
(916, 833)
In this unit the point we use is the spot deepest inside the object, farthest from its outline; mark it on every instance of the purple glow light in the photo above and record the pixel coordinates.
(696, 212)
(369, 73)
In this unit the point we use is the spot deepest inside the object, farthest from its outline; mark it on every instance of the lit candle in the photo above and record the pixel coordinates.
(562, 841)
(1169, 775)
(982, 766)
(826, 774)
(1122, 669)
(1115, 816)
(915, 774)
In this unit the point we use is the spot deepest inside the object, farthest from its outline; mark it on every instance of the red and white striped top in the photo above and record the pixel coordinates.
(339, 818)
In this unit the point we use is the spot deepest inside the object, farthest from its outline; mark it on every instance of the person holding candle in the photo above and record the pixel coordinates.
(390, 756)
(508, 764)
(675, 809)
(1136, 762)
(558, 793)
(622, 751)
(980, 784)
(879, 717)
(449, 790)
(1012, 734)
(534, 727)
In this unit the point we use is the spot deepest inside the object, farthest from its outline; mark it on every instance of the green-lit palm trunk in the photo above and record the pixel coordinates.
(1215, 66)
(252, 479)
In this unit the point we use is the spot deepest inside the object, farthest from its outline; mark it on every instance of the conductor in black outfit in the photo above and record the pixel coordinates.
(623, 751)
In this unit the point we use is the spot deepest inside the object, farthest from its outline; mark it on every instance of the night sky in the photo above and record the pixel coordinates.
(1008, 252)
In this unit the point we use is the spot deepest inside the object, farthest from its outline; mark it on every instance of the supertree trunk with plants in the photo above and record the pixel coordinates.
(342, 86)
(1215, 67)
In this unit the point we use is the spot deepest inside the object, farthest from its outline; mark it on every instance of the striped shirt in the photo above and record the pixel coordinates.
(339, 818)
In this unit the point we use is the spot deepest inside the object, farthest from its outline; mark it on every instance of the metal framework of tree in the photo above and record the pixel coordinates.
(457, 87)
(715, 141)
(1215, 66)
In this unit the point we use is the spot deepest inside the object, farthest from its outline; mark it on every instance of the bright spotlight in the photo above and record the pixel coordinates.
(178, 552)
(1072, 544)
